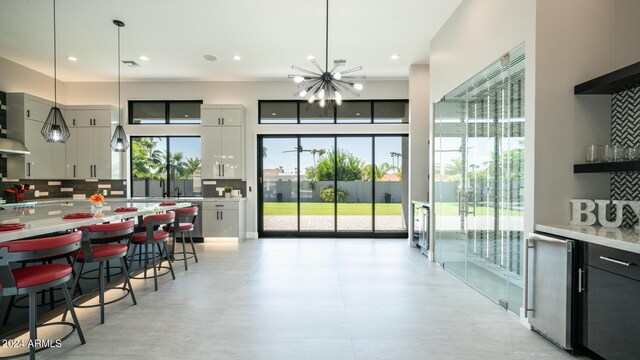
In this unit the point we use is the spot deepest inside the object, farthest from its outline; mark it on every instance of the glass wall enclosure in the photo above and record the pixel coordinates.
(333, 185)
(165, 166)
(479, 182)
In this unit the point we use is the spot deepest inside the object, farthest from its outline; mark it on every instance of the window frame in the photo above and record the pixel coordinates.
(167, 111)
(168, 150)
(335, 112)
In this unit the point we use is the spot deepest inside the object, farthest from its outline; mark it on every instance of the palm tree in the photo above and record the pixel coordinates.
(177, 165)
(193, 166)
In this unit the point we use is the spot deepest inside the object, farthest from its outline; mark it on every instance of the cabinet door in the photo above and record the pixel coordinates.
(58, 161)
(35, 110)
(38, 163)
(102, 152)
(613, 315)
(83, 117)
(71, 118)
(84, 169)
(211, 156)
(209, 222)
(210, 117)
(231, 117)
(231, 152)
(71, 154)
(102, 117)
(228, 223)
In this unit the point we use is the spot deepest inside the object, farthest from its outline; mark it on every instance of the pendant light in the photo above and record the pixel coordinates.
(119, 142)
(327, 85)
(55, 129)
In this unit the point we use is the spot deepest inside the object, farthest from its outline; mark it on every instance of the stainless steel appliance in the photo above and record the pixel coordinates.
(548, 298)
(421, 226)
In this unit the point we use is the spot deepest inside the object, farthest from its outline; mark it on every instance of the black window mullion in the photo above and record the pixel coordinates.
(168, 161)
(298, 175)
(372, 109)
(335, 184)
(373, 183)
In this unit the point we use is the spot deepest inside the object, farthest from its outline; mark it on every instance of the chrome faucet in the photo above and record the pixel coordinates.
(164, 193)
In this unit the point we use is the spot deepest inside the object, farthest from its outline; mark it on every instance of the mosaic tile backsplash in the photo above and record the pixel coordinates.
(49, 189)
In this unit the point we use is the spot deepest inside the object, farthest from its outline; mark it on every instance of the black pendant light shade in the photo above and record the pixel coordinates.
(55, 130)
(119, 140)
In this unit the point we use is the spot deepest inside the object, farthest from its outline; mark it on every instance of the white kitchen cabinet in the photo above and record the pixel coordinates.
(222, 115)
(224, 219)
(25, 117)
(223, 155)
(89, 154)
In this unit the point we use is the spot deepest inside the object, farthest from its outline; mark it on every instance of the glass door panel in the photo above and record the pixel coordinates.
(280, 184)
(354, 183)
(317, 181)
(390, 184)
(148, 166)
(479, 165)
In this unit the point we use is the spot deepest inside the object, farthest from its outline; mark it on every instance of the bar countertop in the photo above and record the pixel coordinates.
(627, 239)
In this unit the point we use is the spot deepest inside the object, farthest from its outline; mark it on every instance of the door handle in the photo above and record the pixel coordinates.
(615, 261)
(581, 280)
(74, 171)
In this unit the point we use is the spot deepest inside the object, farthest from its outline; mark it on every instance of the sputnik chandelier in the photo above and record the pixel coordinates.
(327, 85)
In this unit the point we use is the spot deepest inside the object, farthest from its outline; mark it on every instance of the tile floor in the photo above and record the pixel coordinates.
(306, 299)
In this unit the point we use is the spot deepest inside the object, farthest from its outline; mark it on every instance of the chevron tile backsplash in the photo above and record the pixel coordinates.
(625, 131)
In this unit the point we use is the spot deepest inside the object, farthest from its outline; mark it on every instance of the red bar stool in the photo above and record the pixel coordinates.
(29, 280)
(102, 254)
(152, 237)
(184, 225)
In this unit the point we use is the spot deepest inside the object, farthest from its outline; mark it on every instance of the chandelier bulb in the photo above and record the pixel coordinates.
(298, 79)
(322, 103)
(302, 93)
(321, 94)
(337, 76)
(312, 99)
(358, 86)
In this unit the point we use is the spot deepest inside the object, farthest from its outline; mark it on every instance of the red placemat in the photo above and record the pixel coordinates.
(126, 209)
(78, 216)
(168, 203)
(10, 227)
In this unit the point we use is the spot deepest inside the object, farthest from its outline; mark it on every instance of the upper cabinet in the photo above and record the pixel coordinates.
(223, 143)
(622, 79)
(222, 115)
(87, 153)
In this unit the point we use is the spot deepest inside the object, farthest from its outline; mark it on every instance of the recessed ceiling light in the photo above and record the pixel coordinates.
(72, 58)
(210, 57)
(357, 114)
(395, 57)
(273, 114)
(236, 57)
(144, 58)
(186, 115)
(310, 57)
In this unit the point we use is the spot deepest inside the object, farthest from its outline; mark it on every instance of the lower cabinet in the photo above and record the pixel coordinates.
(224, 219)
(611, 315)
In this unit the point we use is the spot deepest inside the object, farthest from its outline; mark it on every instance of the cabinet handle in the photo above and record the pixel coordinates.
(90, 170)
(222, 121)
(28, 113)
(615, 261)
(74, 171)
(74, 122)
(217, 215)
(220, 205)
(218, 121)
(221, 214)
(219, 173)
(28, 169)
(223, 168)
(580, 280)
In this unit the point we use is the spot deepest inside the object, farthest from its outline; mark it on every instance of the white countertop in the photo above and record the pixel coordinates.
(46, 219)
(48, 201)
(617, 238)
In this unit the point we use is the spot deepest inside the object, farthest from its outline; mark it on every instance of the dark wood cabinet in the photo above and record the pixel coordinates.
(611, 304)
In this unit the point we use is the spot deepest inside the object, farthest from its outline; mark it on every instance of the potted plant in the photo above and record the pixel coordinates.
(227, 191)
(97, 201)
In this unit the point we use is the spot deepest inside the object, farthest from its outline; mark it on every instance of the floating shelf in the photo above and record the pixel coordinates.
(613, 82)
(621, 166)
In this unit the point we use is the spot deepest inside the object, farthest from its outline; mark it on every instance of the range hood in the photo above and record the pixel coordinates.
(10, 146)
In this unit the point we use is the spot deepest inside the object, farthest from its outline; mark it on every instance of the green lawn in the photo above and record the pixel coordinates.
(315, 208)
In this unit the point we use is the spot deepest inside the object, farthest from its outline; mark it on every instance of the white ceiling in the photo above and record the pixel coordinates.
(269, 35)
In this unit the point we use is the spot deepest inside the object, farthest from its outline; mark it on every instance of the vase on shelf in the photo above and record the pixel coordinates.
(96, 208)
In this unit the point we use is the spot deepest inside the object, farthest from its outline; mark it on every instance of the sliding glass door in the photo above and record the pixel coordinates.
(333, 185)
(478, 194)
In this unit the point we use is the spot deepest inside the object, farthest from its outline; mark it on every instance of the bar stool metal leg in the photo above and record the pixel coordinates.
(33, 319)
(128, 281)
(101, 275)
(193, 248)
(67, 297)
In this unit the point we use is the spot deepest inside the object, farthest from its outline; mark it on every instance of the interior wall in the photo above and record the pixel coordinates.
(419, 108)
(246, 93)
(478, 33)
(17, 78)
